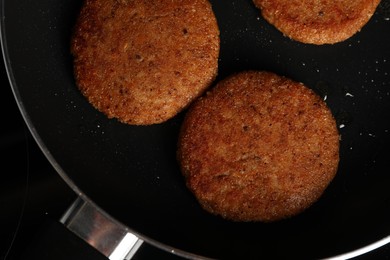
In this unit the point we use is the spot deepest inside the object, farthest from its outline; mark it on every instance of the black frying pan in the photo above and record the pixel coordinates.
(131, 171)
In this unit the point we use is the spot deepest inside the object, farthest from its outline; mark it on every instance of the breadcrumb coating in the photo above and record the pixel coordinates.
(143, 61)
(258, 147)
(318, 21)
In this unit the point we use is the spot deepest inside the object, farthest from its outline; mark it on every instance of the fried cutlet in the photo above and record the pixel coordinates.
(143, 61)
(318, 22)
(258, 147)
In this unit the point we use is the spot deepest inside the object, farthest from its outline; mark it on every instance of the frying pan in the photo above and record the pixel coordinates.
(131, 172)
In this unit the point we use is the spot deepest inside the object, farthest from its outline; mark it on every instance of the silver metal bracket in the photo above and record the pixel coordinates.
(101, 232)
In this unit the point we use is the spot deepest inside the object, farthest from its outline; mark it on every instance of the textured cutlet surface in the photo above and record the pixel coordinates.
(318, 22)
(143, 61)
(258, 147)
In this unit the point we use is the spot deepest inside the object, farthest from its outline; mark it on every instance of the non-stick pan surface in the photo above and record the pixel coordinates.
(131, 171)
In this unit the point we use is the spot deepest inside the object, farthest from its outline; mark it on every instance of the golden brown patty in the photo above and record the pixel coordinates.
(143, 61)
(258, 147)
(315, 21)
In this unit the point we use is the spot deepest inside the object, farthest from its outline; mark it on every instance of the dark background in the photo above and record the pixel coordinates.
(31, 192)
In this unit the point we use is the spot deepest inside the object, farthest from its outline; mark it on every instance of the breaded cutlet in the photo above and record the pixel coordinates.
(258, 147)
(143, 61)
(318, 22)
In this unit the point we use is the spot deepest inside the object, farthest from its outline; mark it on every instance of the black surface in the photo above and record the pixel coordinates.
(33, 197)
(134, 167)
(30, 189)
(45, 244)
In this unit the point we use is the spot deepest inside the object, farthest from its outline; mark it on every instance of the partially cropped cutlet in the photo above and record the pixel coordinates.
(143, 61)
(318, 22)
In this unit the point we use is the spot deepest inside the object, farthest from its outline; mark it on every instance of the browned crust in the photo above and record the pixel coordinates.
(143, 61)
(318, 22)
(258, 147)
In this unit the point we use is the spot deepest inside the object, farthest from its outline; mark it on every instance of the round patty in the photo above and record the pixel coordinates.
(318, 22)
(143, 61)
(258, 147)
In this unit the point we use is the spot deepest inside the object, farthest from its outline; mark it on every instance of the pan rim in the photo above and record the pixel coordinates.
(38, 140)
(363, 250)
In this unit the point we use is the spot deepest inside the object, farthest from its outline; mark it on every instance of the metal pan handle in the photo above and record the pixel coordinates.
(108, 237)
